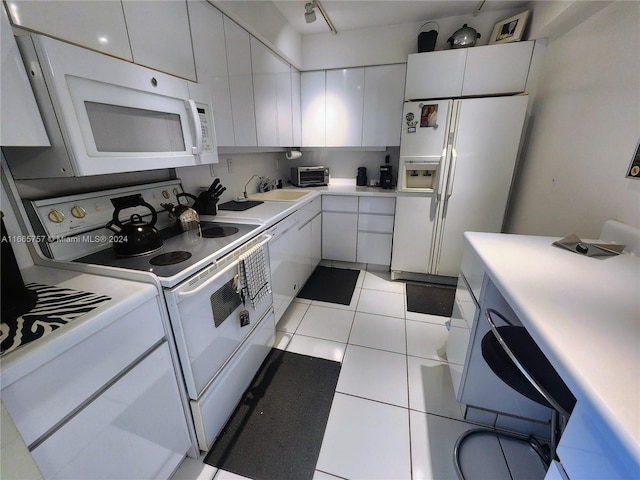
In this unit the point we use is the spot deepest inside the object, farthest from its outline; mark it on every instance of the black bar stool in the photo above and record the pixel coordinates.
(515, 358)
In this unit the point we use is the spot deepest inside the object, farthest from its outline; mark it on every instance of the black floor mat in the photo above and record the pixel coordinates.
(333, 285)
(276, 430)
(430, 299)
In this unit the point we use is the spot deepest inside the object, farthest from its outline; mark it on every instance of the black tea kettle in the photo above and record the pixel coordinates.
(136, 237)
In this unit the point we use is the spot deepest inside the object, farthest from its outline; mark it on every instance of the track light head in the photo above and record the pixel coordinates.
(309, 14)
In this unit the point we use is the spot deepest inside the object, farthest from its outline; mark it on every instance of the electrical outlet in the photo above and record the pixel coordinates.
(230, 165)
(212, 170)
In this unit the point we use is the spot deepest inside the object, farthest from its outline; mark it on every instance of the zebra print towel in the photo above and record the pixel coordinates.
(55, 307)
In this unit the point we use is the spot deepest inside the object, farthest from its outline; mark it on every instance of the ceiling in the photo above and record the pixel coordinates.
(352, 15)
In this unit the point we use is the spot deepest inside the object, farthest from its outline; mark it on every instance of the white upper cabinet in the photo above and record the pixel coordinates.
(240, 83)
(312, 102)
(96, 25)
(296, 112)
(344, 107)
(20, 120)
(496, 69)
(383, 97)
(272, 96)
(207, 26)
(486, 70)
(153, 34)
(160, 36)
(435, 74)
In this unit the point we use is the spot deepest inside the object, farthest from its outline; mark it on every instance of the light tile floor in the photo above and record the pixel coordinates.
(394, 415)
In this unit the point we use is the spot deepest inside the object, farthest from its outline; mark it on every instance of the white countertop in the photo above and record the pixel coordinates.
(583, 312)
(125, 296)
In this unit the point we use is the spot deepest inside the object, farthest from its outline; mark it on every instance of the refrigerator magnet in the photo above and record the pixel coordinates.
(429, 116)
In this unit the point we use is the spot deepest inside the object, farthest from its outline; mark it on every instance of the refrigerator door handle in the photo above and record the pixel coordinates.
(441, 176)
(452, 171)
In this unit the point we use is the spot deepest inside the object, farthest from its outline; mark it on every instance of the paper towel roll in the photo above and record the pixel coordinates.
(293, 155)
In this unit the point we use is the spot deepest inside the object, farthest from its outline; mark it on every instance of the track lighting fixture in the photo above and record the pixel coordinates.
(310, 14)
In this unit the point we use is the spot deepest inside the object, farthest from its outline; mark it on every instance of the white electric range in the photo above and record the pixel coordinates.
(222, 326)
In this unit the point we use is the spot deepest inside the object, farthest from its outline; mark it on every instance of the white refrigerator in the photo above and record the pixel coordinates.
(457, 160)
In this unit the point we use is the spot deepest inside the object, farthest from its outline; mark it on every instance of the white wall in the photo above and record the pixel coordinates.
(387, 44)
(584, 128)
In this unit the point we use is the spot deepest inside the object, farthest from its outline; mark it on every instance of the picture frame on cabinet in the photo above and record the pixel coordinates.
(510, 29)
(634, 168)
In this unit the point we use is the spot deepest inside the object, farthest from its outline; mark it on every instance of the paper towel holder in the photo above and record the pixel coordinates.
(293, 154)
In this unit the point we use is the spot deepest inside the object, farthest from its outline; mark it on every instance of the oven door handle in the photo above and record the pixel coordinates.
(199, 288)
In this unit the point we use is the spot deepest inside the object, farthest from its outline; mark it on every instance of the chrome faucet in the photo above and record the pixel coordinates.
(247, 184)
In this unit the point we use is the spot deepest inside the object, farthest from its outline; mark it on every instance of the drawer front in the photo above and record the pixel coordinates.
(374, 248)
(212, 410)
(135, 429)
(382, 205)
(310, 210)
(74, 376)
(340, 203)
(375, 223)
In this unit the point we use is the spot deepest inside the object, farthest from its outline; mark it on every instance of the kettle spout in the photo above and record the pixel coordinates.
(113, 227)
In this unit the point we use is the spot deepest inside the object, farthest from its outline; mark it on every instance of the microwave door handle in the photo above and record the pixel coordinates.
(197, 126)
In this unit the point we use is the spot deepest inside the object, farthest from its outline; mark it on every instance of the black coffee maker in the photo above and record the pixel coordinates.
(386, 174)
(361, 179)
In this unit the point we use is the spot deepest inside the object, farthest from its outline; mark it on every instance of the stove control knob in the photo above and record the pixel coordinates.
(166, 194)
(78, 212)
(56, 216)
(176, 191)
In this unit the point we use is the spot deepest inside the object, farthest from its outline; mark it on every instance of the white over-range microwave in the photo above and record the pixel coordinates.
(105, 115)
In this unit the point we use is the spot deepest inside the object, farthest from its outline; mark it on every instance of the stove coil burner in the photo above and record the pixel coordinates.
(218, 231)
(170, 258)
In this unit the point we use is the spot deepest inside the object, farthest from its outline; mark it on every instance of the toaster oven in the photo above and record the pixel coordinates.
(309, 176)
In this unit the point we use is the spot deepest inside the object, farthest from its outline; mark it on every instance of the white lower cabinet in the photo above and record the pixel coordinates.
(357, 228)
(339, 236)
(134, 429)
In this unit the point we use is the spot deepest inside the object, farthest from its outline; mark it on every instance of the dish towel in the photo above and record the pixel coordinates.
(254, 275)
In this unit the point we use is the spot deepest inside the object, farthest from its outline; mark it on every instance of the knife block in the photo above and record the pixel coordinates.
(206, 204)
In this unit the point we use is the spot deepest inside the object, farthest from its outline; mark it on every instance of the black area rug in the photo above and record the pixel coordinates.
(430, 299)
(333, 285)
(276, 430)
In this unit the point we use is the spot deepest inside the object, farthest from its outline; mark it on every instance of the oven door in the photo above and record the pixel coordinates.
(209, 321)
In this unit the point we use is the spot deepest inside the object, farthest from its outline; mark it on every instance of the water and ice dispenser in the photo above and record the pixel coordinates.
(419, 176)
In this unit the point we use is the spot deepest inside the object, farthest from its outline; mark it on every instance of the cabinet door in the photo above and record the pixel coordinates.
(383, 97)
(264, 65)
(494, 69)
(240, 84)
(296, 112)
(312, 102)
(339, 236)
(284, 103)
(412, 234)
(303, 253)
(435, 74)
(20, 120)
(316, 241)
(344, 107)
(135, 429)
(160, 36)
(99, 26)
(207, 26)
(374, 248)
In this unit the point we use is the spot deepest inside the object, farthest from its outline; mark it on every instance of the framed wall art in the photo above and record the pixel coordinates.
(510, 29)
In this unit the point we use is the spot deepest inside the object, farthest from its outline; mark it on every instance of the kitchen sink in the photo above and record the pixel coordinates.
(281, 195)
